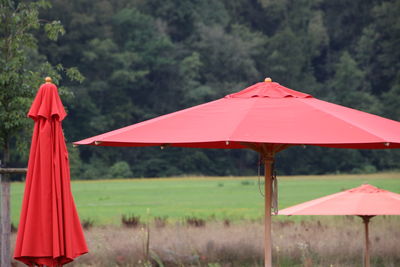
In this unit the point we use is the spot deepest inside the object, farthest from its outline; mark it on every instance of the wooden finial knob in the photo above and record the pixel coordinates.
(268, 80)
(48, 80)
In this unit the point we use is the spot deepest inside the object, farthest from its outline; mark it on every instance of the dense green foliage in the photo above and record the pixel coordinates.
(22, 69)
(233, 198)
(142, 59)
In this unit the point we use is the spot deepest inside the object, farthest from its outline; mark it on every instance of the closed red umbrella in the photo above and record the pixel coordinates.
(265, 117)
(365, 201)
(49, 232)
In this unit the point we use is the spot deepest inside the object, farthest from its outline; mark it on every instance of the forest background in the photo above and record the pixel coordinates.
(145, 58)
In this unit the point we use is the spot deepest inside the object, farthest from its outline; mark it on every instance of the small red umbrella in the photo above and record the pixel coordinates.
(365, 201)
(49, 232)
(266, 117)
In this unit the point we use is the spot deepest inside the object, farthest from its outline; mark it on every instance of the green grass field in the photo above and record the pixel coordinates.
(235, 198)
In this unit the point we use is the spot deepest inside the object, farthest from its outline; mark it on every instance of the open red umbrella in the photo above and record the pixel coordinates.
(49, 232)
(265, 117)
(365, 201)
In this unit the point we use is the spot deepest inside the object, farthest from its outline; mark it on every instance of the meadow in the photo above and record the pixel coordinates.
(233, 198)
(232, 233)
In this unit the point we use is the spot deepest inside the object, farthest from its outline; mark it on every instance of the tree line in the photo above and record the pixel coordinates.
(142, 59)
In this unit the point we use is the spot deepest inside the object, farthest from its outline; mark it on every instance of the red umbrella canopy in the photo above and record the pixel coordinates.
(49, 231)
(365, 200)
(266, 117)
(266, 112)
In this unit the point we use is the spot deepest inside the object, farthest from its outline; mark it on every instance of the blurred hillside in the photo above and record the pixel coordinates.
(144, 58)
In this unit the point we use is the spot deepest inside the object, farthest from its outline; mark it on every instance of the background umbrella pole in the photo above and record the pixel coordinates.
(366, 250)
(268, 161)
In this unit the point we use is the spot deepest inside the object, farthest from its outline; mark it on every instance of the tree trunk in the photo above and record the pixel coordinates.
(1, 216)
(5, 221)
(5, 225)
(5, 212)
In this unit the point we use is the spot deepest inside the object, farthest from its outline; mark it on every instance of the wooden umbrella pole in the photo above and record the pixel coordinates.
(268, 160)
(366, 249)
(267, 151)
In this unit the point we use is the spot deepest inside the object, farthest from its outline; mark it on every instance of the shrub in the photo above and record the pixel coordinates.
(120, 169)
(227, 222)
(247, 183)
(96, 169)
(196, 222)
(87, 223)
(131, 221)
(160, 221)
(14, 229)
(364, 169)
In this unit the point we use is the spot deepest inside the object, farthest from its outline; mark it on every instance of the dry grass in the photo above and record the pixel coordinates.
(326, 241)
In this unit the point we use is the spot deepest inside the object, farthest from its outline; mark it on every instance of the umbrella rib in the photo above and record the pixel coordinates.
(122, 130)
(251, 104)
(314, 105)
(261, 148)
(309, 203)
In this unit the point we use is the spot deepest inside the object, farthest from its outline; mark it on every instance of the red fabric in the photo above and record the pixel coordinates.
(365, 200)
(49, 232)
(263, 113)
